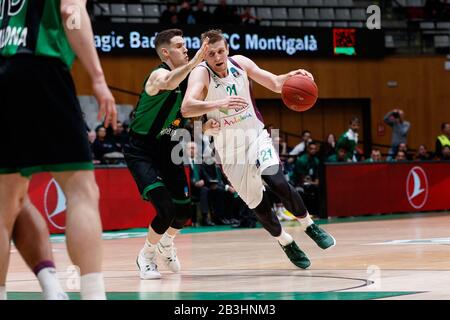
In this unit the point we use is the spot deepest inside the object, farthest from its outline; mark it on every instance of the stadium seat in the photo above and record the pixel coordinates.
(443, 25)
(315, 3)
(309, 24)
(270, 2)
(279, 23)
(356, 24)
(311, 14)
(389, 41)
(151, 20)
(151, 10)
(265, 23)
(342, 14)
(264, 13)
(241, 2)
(119, 20)
(358, 14)
(279, 13)
(345, 3)
(135, 10)
(102, 9)
(135, 20)
(330, 3)
(294, 23)
(256, 2)
(326, 13)
(340, 24)
(118, 9)
(295, 14)
(415, 3)
(441, 41)
(301, 3)
(287, 3)
(427, 25)
(325, 24)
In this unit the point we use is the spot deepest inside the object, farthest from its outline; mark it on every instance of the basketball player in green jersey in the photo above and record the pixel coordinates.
(155, 120)
(43, 128)
(248, 163)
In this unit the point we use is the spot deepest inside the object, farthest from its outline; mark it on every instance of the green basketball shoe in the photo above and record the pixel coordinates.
(320, 236)
(297, 256)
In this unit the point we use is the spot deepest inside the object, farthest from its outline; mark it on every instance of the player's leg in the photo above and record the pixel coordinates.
(13, 190)
(31, 238)
(176, 181)
(248, 184)
(144, 165)
(84, 229)
(293, 202)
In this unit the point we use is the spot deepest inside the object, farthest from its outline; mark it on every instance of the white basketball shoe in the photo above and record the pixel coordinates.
(169, 255)
(147, 267)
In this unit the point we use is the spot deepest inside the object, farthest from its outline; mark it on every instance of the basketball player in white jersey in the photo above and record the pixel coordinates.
(216, 85)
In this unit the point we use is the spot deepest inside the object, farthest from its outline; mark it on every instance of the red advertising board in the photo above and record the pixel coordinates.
(361, 189)
(121, 206)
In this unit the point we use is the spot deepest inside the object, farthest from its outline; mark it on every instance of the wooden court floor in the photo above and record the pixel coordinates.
(387, 257)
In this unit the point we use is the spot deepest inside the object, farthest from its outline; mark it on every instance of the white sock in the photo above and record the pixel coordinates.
(51, 288)
(2, 293)
(148, 251)
(167, 239)
(284, 238)
(306, 221)
(92, 286)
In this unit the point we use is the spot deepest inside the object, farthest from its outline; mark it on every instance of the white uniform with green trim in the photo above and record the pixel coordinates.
(243, 145)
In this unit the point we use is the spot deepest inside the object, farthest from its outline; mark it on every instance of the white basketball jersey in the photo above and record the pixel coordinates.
(245, 120)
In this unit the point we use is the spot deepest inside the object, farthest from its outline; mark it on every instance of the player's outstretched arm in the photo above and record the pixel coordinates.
(193, 103)
(81, 38)
(266, 78)
(163, 79)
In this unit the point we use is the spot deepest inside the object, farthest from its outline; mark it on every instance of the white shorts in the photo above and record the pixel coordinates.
(246, 177)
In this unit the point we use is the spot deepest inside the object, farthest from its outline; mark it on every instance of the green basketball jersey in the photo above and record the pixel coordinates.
(158, 115)
(34, 27)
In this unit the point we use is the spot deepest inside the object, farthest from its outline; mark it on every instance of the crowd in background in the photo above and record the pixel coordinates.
(223, 14)
(215, 202)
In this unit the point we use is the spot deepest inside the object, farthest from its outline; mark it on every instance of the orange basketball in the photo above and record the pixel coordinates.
(299, 93)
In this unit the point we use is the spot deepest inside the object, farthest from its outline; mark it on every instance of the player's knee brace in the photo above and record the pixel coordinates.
(267, 217)
(165, 213)
(290, 198)
(182, 215)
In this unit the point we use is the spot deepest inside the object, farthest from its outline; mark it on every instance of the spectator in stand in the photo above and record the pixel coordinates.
(400, 128)
(199, 190)
(400, 156)
(339, 156)
(404, 147)
(328, 148)
(102, 146)
(169, 16)
(422, 154)
(375, 156)
(186, 15)
(445, 154)
(223, 14)
(305, 177)
(349, 139)
(248, 18)
(300, 148)
(443, 140)
(119, 136)
(202, 14)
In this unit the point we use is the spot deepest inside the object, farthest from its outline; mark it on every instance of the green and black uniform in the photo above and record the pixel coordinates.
(148, 155)
(42, 124)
